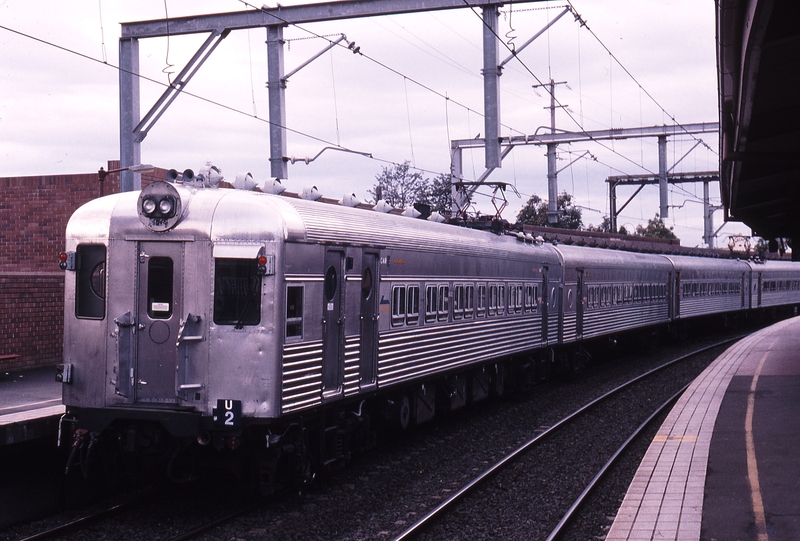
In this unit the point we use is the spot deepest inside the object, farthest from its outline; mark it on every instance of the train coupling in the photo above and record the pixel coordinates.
(83, 443)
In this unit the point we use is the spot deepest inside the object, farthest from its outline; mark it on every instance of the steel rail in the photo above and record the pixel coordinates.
(439, 511)
(611, 461)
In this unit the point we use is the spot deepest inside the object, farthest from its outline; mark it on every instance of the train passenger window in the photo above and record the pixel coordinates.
(444, 303)
(493, 299)
(458, 301)
(469, 301)
(294, 311)
(412, 313)
(398, 305)
(530, 298)
(237, 292)
(501, 299)
(431, 304)
(480, 301)
(90, 281)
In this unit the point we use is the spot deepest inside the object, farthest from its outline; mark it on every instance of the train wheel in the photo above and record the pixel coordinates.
(404, 412)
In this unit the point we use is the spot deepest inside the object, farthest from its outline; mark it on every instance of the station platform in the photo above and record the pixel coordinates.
(725, 464)
(30, 405)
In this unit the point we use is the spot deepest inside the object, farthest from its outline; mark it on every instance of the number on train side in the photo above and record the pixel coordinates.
(228, 413)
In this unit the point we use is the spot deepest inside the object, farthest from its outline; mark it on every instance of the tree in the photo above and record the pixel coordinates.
(399, 187)
(605, 227)
(440, 195)
(535, 213)
(655, 229)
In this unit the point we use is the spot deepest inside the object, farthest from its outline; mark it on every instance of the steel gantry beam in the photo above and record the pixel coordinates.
(133, 129)
(554, 138)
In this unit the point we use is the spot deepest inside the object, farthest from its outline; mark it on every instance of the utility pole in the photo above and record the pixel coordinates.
(552, 174)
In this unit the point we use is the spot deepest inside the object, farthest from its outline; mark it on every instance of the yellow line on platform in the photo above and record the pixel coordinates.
(752, 465)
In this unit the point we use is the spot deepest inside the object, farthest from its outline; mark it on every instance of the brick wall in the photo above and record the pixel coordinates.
(33, 216)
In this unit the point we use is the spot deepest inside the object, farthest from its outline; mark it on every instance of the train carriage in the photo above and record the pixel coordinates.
(608, 291)
(294, 327)
(706, 286)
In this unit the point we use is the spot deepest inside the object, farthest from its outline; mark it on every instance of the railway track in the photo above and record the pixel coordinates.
(446, 508)
(378, 497)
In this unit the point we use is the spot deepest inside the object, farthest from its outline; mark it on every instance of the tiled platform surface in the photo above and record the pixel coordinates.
(30, 405)
(665, 500)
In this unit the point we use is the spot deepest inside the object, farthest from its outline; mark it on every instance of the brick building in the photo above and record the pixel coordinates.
(33, 216)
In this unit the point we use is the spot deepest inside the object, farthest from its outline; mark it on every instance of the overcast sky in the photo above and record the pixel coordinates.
(59, 111)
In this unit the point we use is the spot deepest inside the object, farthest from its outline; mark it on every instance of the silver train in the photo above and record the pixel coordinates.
(286, 330)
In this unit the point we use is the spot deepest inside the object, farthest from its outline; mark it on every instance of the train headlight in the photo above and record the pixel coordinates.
(160, 206)
(148, 206)
(166, 205)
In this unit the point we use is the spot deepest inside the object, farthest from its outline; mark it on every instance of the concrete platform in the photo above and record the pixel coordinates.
(30, 405)
(725, 464)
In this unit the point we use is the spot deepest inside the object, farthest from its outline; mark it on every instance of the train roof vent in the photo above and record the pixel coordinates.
(273, 186)
(244, 181)
(350, 200)
(310, 193)
(436, 217)
(382, 206)
(411, 212)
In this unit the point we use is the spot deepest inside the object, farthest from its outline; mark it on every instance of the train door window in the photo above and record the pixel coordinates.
(469, 301)
(458, 301)
(90, 281)
(412, 306)
(431, 304)
(294, 312)
(480, 300)
(237, 291)
(159, 287)
(444, 303)
(398, 305)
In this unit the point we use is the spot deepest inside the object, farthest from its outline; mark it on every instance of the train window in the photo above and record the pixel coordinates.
(469, 301)
(159, 287)
(514, 298)
(444, 303)
(237, 292)
(501, 299)
(530, 298)
(458, 301)
(412, 310)
(294, 311)
(366, 283)
(480, 301)
(398, 305)
(493, 299)
(90, 281)
(331, 283)
(431, 303)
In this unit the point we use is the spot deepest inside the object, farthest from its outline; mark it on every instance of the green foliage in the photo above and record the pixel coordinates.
(399, 187)
(655, 229)
(535, 213)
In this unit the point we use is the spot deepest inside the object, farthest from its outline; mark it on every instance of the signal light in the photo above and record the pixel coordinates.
(66, 260)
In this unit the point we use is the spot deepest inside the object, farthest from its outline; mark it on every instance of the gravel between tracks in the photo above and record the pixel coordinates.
(381, 494)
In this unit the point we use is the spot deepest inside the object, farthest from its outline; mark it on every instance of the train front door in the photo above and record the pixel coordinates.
(157, 321)
(332, 323)
(369, 320)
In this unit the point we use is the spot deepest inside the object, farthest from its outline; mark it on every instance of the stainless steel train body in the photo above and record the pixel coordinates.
(205, 310)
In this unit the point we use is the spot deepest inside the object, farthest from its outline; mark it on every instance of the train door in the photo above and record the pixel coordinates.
(744, 291)
(580, 301)
(332, 322)
(758, 290)
(157, 323)
(676, 296)
(545, 305)
(368, 357)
